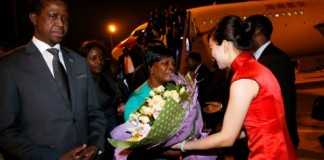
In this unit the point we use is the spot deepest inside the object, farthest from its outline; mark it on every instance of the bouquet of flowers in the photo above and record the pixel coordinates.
(171, 114)
(150, 124)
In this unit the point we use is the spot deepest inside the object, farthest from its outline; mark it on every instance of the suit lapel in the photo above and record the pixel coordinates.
(37, 64)
(266, 52)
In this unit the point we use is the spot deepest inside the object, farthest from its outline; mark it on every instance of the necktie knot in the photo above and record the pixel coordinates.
(53, 51)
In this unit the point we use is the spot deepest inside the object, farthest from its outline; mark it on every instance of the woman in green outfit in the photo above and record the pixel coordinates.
(160, 70)
(160, 67)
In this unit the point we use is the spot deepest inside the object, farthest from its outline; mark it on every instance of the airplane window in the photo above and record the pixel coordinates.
(320, 28)
(301, 12)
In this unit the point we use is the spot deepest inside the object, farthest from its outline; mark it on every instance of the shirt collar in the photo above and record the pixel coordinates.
(240, 60)
(42, 46)
(259, 51)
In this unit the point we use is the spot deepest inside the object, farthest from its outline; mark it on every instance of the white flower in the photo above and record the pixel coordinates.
(146, 110)
(182, 90)
(172, 94)
(144, 119)
(134, 116)
(139, 130)
(156, 113)
(144, 130)
(159, 89)
(131, 129)
(167, 94)
(157, 108)
(156, 101)
(141, 119)
(133, 122)
(152, 93)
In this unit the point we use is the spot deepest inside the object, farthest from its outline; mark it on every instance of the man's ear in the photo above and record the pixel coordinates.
(33, 17)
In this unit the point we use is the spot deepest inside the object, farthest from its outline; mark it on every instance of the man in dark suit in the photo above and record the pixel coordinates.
(280, 65)
(48, 104)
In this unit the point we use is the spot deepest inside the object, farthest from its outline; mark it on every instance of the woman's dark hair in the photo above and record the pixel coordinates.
(232, 28)
(88, 45)
(155, 53)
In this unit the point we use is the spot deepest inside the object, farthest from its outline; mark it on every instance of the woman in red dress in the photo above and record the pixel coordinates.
(255, 101)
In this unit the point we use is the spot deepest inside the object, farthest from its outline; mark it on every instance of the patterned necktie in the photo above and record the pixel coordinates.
(59, 73)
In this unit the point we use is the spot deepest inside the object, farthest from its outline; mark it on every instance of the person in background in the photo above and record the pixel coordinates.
(255, 100)
(48, 101)
(210, 101)
(107, 89)
(280, 65)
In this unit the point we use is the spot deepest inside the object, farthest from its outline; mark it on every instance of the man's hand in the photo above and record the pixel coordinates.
(74, 154)
(88, 153)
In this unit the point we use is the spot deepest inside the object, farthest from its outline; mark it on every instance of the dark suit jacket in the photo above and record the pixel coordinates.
(283, 69)
(108, 98)
(36, 120)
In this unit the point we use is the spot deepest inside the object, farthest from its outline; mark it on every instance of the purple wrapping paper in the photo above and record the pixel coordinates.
(191, 126)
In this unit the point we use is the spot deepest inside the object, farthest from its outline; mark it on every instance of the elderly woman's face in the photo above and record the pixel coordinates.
(95, 60)
(163, 69)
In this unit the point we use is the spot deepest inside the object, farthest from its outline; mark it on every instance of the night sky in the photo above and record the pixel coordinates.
(87, 19)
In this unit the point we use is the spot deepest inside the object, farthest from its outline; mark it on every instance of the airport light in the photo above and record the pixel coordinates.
(111, 29)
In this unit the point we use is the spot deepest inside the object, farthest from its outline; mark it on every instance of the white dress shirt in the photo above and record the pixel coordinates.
(257, 54)
(48, 57)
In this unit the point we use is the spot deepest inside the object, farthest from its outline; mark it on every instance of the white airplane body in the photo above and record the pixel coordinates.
(298, 30)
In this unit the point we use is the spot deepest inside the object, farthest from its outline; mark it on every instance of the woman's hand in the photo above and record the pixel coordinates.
(176, 146)
(180, 146)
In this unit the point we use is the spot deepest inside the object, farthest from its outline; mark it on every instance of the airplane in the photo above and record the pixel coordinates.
(298, 30)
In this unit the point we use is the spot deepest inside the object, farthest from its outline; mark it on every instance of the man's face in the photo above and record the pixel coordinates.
(258, 39)
(51, 24)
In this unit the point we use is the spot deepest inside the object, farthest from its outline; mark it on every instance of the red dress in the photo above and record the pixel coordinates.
(267, 133)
